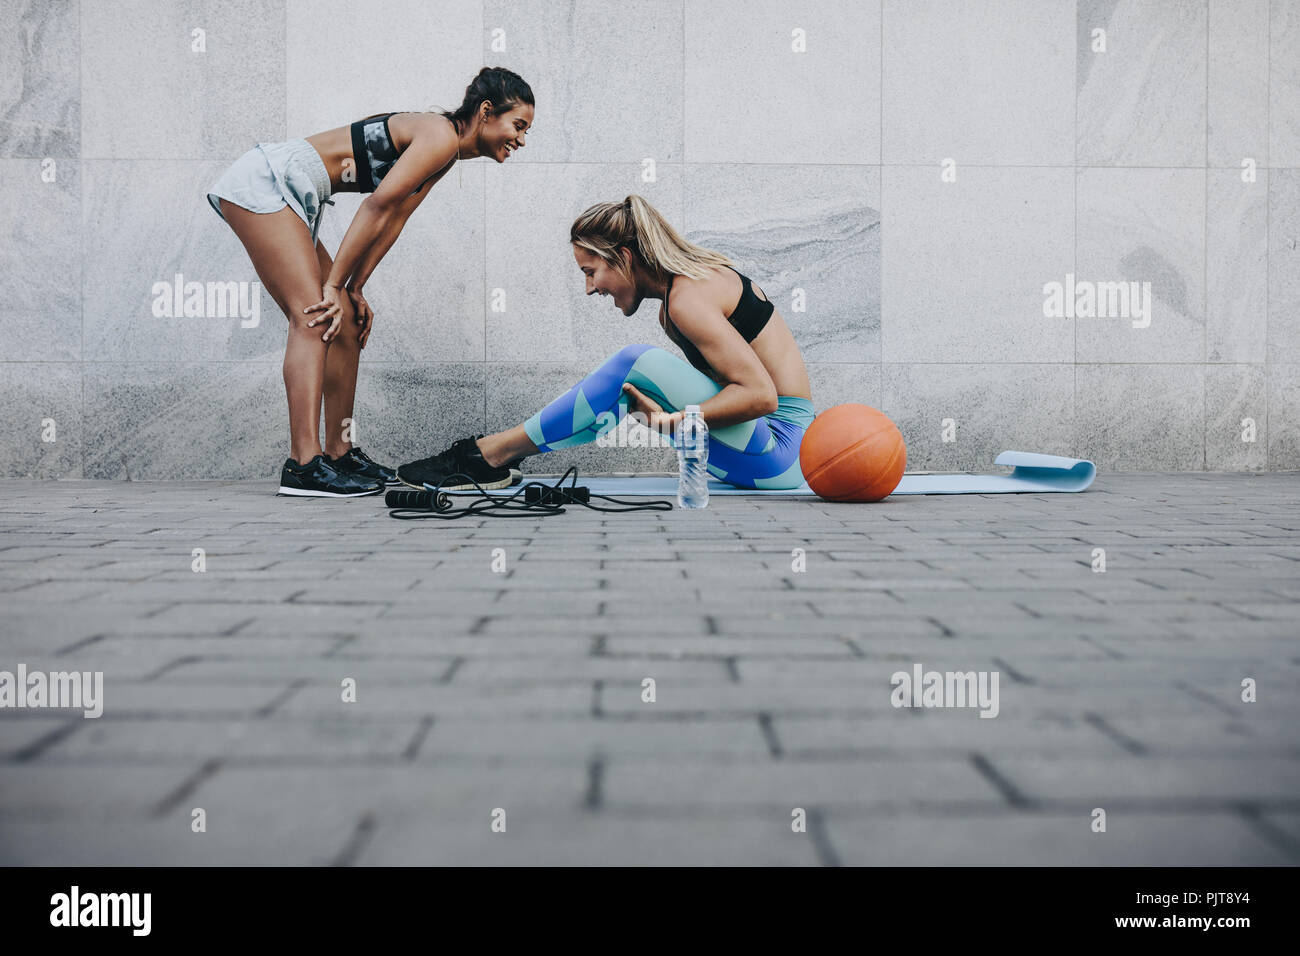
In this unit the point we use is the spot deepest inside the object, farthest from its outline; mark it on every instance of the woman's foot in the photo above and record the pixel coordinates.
(354, 461)
(462, 458)
(319, 479)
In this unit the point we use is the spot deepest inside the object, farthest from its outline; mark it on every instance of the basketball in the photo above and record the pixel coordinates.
(852, 453)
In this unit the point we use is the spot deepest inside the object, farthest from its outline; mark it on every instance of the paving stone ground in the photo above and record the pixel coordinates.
(521, 690)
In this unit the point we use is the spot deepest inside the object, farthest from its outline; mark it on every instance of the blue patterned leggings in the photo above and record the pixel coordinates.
(762, 453)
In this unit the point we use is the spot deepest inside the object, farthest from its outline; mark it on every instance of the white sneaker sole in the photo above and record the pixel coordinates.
(489, 486)
(307, 493)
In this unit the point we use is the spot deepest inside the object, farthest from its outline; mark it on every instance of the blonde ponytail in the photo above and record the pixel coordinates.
(638, 226)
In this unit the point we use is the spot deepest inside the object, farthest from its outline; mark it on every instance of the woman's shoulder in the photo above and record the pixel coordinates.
(715, 288)
(714, 274)
(407, 126)
(431, 129)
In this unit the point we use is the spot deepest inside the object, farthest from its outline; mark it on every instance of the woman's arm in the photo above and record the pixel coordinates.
(430, 150)
(750, 392)
(379, 248)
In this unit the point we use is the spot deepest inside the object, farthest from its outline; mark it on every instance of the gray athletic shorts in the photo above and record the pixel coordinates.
(271, 176)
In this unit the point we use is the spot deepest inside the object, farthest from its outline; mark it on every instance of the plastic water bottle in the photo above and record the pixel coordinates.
(692, 460)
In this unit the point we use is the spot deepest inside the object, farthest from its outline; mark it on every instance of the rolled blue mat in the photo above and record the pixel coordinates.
(1031, 474)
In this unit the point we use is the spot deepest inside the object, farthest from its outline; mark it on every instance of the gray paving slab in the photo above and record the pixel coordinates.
(1027, 839)
(523, 689)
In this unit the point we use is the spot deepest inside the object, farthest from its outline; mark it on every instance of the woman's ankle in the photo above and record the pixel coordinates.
(302, 457)
(491, 451)
(337, 451)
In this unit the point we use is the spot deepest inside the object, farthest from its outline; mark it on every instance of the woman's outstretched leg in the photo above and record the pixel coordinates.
(598, 403)
(579, 416)
(506, 446)
(761, 453)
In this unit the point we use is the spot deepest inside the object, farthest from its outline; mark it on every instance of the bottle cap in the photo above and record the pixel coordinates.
(692, 409)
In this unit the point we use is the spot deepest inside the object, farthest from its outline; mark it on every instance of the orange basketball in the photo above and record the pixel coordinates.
(852, 453)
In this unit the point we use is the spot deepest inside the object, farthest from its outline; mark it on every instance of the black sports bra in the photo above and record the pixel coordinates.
(748, 318)
(373, 150)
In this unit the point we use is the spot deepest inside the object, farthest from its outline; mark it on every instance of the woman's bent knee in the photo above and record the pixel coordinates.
(630, 353)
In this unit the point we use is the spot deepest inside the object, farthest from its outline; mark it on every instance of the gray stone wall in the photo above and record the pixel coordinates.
(902, 177)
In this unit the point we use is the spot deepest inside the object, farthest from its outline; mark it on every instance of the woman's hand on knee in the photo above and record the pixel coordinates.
(334, 307)
(656, 418)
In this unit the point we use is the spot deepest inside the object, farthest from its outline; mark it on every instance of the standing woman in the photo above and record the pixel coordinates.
(272, 197)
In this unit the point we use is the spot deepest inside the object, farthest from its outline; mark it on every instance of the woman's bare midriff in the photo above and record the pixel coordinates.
(779, 353)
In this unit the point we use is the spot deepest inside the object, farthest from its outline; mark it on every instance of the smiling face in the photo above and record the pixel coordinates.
(499, 136)
(604, 279)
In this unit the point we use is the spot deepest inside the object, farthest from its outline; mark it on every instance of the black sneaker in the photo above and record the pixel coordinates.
(354, 461)
(319, 479)
(462, 458)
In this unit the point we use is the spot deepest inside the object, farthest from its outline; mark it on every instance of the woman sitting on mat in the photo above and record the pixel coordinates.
(745, 371)
(397, 157)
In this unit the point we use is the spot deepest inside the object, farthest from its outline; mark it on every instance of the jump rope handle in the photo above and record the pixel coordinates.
(420, 500)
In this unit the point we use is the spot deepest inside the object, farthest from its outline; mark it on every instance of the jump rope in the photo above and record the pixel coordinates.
(540, 500)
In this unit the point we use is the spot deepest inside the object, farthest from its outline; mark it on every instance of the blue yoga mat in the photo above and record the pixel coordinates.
(1031, 474)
